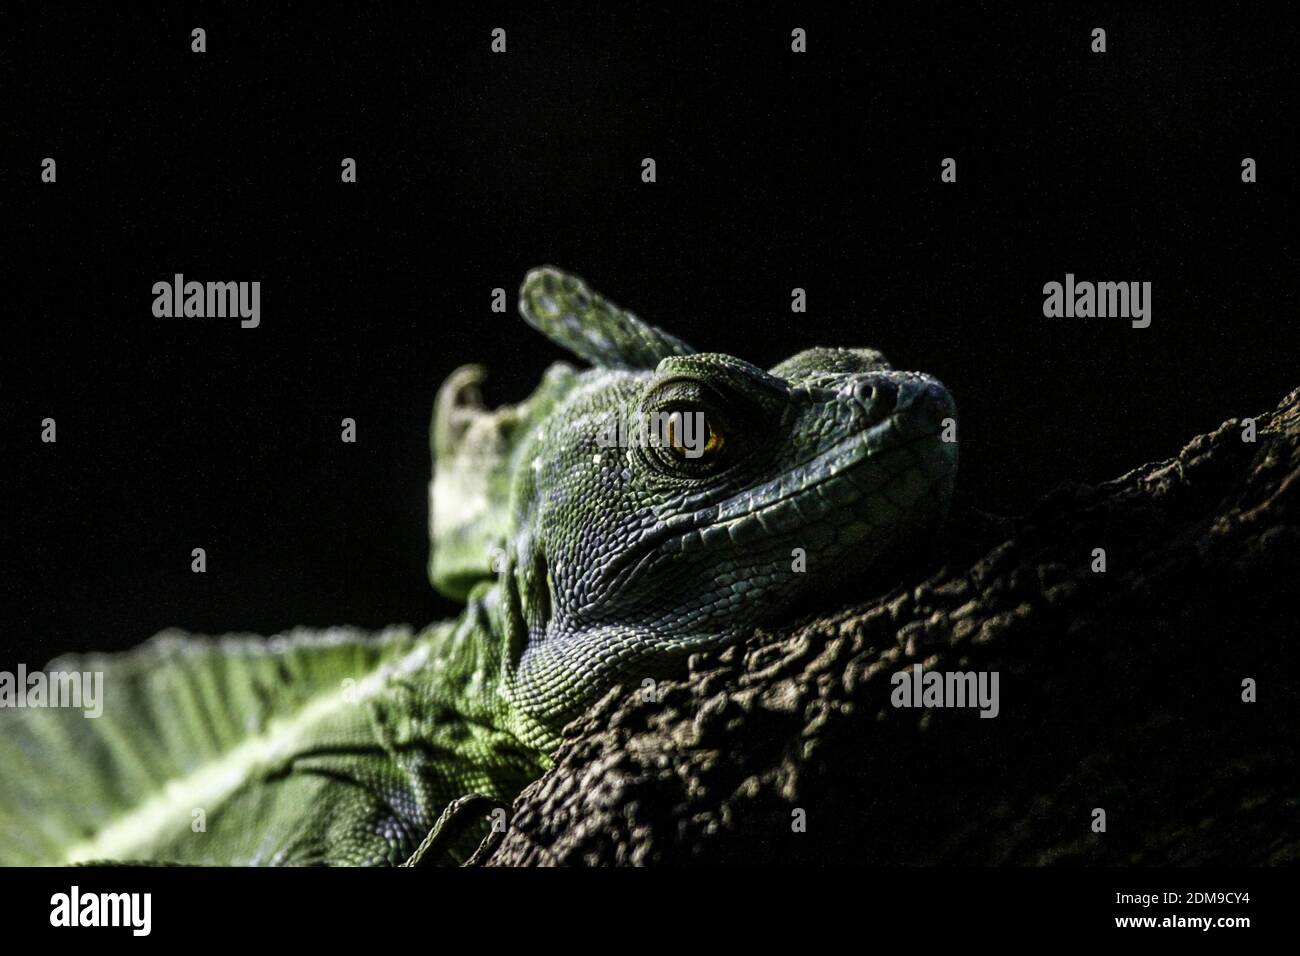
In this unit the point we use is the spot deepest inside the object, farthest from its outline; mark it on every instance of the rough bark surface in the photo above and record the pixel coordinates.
(1120, 690)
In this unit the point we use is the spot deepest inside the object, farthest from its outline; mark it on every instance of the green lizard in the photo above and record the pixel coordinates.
(590, 550)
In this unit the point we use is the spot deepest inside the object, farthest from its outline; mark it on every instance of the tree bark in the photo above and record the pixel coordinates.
(1119, 691)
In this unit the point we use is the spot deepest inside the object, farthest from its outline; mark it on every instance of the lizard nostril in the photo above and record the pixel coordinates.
(877, 393)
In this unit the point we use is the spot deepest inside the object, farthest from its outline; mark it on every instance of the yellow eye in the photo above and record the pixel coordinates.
(684, 439)
(714, 443)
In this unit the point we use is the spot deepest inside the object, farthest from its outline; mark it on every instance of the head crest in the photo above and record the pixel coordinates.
(562, 308)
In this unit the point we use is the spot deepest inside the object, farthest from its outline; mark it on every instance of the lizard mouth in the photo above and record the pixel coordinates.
(885, 466)
(876, 465)
(868, 481)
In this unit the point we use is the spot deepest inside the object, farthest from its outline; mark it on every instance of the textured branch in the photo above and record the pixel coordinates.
(1120, 690)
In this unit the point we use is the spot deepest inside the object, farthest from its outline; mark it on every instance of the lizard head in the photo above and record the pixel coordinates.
(669, 501)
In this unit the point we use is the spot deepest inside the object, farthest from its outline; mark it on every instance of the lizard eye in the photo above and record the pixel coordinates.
(686, 441)
(692, 429)
(698, 438)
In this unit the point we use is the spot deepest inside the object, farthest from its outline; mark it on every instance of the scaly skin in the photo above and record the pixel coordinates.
(582, 565)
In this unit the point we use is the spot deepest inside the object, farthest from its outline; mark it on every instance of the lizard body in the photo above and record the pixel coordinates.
(583, 562)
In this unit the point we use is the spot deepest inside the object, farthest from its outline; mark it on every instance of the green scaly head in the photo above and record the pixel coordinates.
(665, 501)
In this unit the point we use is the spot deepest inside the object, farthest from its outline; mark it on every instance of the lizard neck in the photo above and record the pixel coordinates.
(471, 676)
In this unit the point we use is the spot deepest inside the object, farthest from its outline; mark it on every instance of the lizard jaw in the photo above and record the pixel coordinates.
(864, 487)
(889, 466)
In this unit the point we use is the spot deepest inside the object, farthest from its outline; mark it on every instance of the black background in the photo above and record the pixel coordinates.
(775, 170)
